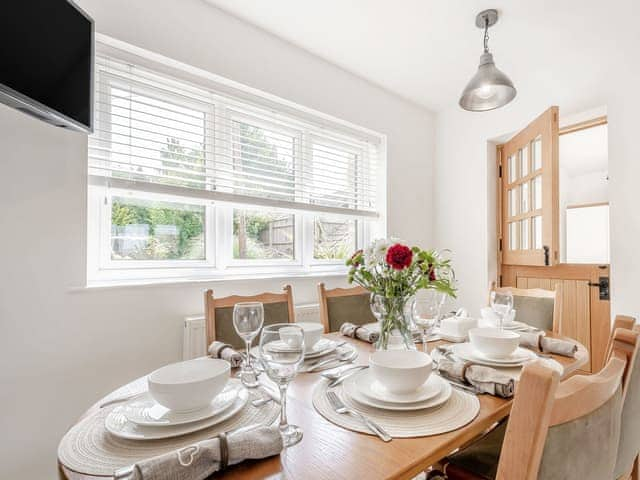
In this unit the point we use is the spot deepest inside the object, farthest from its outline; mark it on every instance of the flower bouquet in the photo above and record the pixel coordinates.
(393, 273)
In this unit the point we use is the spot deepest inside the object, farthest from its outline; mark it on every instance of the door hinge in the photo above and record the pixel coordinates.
(500, 244)
(500, 281)
(499, 171)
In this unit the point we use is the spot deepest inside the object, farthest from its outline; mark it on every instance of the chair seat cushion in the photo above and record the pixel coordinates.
(480, 459)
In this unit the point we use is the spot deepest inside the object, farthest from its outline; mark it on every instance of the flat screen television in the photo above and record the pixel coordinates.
(46, 61)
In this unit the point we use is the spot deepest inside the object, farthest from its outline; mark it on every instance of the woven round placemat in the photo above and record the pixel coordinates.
(459, 410)
(88, 448)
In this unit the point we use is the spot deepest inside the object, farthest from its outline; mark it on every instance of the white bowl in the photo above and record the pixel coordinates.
(312, 333)
(493, 342)
(188, 385)
(400, 371)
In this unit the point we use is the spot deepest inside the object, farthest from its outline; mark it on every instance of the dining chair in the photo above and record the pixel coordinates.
(537, 307)
(341, 305)
(627, 462)
(567, 430)
(278, 308)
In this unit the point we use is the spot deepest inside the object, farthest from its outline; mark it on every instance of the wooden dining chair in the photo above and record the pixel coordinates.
(278, 308)
(341, 305)
(537, 307)
(627, 462)
(556, 431)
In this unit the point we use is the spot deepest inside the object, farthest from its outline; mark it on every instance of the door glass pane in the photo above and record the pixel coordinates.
(536, 192)
(524, 162)
(513, 172)
(263, 235)
(537, 232)
(143, 229)
(524, 201)
(524, 234)
(513, 236)
(513, 202)
(536, 154)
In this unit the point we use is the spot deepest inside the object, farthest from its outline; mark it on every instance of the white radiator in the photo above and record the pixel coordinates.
(194, 334)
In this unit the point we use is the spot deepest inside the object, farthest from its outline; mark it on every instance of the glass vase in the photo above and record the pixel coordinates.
(395, 322)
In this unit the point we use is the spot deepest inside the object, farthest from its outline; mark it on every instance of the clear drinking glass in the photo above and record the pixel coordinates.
(248, 318)
(426, 314)
(501, 304)
(281, 353)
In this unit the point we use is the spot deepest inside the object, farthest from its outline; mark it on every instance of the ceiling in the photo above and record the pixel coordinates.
(426, 50)
(584, 151)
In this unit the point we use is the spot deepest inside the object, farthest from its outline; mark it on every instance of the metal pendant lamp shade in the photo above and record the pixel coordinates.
(489, 88)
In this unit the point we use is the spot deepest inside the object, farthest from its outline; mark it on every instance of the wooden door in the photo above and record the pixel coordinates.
(528, 167)
(528, 220)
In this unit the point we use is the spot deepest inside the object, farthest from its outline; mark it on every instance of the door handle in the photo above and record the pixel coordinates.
(603, 287)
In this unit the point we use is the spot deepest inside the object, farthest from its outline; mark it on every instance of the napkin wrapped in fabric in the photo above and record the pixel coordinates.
(198, 461)
(538, 341)
(486, 379)
(359, 332)
(225, 352)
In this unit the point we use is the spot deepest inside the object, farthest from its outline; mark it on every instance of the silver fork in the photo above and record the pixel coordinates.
(341, 408)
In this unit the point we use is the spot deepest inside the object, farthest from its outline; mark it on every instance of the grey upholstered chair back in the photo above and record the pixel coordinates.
(629, 446)
(584, 448)
(535, 311)
(352, 308)
(273, 313)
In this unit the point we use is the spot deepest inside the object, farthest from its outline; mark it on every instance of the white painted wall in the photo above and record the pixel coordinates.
(464, 193)
(61, 349)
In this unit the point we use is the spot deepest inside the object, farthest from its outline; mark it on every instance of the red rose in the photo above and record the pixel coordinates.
(432, 273)
(399, 256)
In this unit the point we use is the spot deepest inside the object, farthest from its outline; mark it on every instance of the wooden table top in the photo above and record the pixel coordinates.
(329, 452)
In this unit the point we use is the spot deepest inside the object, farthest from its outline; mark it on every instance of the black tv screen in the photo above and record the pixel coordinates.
(46, 60)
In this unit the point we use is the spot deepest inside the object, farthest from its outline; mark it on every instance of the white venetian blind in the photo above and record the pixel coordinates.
(161, 134)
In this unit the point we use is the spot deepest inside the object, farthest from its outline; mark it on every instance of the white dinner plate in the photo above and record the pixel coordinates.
(322, 347)
(372, 388)
(466, 351)
(117, 423)
(350, 389)
(144, 410)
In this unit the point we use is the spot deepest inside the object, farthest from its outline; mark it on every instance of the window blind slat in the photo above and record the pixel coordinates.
(152, 129)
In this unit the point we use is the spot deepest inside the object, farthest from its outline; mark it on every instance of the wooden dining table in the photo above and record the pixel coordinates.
(330, 452)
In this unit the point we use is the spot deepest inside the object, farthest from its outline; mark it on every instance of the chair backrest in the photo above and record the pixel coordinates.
(565, 431)
(278, 308)
(628, 342)
(537, 307)
(340, 305)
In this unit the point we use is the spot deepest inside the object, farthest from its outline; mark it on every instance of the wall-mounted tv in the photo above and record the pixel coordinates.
(46, 61)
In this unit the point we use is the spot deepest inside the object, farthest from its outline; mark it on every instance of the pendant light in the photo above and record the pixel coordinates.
(489, 88)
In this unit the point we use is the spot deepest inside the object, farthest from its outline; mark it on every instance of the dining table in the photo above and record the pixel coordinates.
(330, 452)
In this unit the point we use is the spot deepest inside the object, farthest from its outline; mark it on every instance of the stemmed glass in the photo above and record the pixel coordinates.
(426, 314)
(281, 353)
(501, 304)
(247, 320)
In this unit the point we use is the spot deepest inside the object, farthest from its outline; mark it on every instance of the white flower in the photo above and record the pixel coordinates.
(376, 252)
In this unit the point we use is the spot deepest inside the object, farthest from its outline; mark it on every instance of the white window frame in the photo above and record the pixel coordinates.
(219, 262)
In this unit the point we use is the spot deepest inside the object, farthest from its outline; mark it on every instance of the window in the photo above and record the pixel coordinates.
(201, 179)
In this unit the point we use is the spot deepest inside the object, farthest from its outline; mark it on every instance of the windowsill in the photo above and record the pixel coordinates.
(96, 285)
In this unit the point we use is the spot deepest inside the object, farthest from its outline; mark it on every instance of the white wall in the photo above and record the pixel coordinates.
(464, 194)
(61, 349)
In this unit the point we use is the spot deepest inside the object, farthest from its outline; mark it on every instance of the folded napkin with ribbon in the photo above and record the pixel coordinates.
(539, 341)
(198, 461)
(486, 379)
(225, 352)
(359, 332)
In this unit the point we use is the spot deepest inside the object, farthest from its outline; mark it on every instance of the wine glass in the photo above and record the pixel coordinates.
(248, 318)
(501, 304)
(426, 313)
(281, 352)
